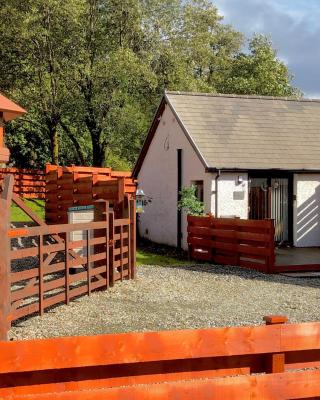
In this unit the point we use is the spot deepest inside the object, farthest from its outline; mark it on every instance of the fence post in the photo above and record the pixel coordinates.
(133, 238)
(111, 248)
(271, 257)
(101, 213)
(5, 259)
(275, 362)
(189, 224)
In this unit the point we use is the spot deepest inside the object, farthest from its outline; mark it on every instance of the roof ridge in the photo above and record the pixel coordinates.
(242, 96)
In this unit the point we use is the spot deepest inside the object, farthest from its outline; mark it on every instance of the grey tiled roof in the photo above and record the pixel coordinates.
(251, 132)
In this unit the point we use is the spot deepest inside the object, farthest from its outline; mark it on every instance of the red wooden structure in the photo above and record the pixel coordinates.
(28, 183)
(79, 186)
(8, 111)
(232, 241)
(59, 267)
(278, 361)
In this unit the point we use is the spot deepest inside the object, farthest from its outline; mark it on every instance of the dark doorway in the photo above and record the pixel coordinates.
(271, 197)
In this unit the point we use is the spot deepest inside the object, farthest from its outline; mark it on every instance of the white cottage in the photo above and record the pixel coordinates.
(251, 157)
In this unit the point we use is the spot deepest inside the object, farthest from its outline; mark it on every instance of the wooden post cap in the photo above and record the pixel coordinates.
(275, 319)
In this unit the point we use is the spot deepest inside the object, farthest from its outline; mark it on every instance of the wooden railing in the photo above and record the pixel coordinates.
(79, 186)
(28, 183)
(232, 241)
(277, 361)
(46, 265)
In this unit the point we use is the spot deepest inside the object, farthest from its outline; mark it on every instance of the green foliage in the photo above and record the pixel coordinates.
(259, 72)
(189, 201)
(91, 72)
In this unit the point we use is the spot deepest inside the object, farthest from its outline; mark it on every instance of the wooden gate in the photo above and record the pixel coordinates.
(42, 266)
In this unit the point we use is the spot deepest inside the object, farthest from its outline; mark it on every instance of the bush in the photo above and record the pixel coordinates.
(189, 201)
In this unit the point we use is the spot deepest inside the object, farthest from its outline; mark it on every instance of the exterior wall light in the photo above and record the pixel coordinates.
(142, 200)
(240, 179)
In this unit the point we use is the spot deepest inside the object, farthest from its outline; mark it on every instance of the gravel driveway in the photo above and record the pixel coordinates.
(179, 298)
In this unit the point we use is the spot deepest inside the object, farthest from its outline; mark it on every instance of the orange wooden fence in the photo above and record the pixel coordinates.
(45, 265)
(232, 241)
(63, 268)
(276, 361)
(28, 183)
(79, 186)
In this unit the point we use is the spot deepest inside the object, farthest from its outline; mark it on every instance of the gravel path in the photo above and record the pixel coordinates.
(177, 298)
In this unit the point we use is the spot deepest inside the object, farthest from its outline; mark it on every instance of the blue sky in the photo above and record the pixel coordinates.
(293, 25)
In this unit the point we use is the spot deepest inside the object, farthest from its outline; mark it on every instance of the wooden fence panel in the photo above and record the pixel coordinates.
(229, 363)
(28, 183)
(232, 241)
(55, 271)
(80, 186)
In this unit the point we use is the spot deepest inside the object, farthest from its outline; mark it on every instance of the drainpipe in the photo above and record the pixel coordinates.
(216, 179)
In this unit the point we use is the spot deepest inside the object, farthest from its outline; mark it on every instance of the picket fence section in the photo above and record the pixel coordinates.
(232, 241)
(276, 361)
(28, 183)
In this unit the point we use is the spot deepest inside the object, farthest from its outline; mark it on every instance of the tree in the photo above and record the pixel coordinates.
(259, 72)
(91, 72)
(41, 45)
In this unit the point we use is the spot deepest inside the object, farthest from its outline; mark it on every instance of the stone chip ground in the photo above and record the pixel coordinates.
(179, 298)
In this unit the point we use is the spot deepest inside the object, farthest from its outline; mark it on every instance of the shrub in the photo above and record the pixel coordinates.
(189, 201)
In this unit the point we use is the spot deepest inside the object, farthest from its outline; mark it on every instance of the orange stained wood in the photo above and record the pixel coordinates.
(17, 233)
(155, 346)
(28, 183)
(232, 241)
(282, 386)
(182, 363)
(275, 319)
(1, 133)
(137, 347)
(10, 109)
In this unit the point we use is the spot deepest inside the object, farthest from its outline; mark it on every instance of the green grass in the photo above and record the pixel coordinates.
(146, 258)
(17, 215)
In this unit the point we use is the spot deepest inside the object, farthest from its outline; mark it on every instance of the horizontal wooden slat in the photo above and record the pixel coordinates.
(117, 236)
(118, 262)
(56, 229)
(137, 347)
(123, 249)
(121, 222)
(233, 248)
(287, 385)
(206, 231)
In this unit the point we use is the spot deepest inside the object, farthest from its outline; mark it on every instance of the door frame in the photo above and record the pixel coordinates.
(285, 175)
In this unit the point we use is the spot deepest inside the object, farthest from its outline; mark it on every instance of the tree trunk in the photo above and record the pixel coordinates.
(75, 142)
(54, 137)
(97, 150)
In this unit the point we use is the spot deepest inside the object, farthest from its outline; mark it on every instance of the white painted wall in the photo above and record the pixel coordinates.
(306, 215)
(158, 179)
(232, 195)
